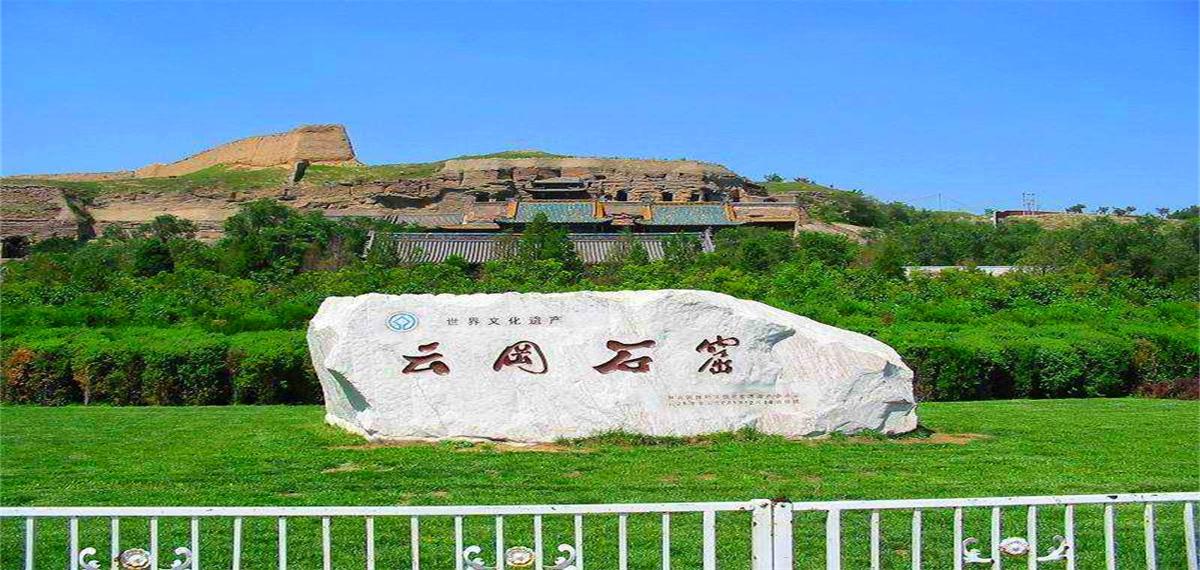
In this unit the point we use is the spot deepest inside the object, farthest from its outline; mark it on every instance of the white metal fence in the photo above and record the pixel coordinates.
(1085, 531)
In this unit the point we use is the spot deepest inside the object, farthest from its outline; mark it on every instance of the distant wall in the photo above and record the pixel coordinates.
(318, 144)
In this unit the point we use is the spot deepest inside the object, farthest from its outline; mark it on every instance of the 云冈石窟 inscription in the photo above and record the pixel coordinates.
(527, 356)
(540, 367)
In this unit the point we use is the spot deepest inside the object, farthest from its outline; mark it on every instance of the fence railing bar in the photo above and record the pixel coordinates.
(195, 540)
(499, 543)
(334, 511)
(1031, 535)
(1069, 535)
(29, 542)
(630, 508)
(710, 540)
(73, 547)
(997, 536)
(326, 547)
(761, 538)
(237, 544)
(154, 542)
(1060, 500)
(958, 538)
(1151, 547)
(666, 541)
(783, 556)
(916, 540)
(458, 543)
(875, 562)
(114, 537)
(414, 539)
(281, 533)
(537, 542)
(578, 542)
(369, 525)
(1110, 537)
(833, 540)
(623, 541)
(1189, 527)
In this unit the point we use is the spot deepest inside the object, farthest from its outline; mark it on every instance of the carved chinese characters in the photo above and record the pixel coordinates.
(719, 361)
(539, 367)
(623, 360)
(426, 362)
(527, 356)
(524, 355)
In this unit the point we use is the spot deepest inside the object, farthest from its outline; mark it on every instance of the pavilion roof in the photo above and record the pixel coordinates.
(688, 215)
(573, 212)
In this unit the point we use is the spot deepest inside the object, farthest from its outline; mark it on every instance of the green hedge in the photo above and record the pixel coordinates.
(151, 366)
(1043, 362)
(183, 366)
(272, 367)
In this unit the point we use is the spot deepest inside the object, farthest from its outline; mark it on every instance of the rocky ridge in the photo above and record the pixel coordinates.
(314, 167)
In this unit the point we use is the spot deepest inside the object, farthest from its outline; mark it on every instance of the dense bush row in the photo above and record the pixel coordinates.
(159, 318)
(190, 366)
(157, 367)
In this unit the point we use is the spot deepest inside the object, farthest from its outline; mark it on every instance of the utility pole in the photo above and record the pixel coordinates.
(1029, 202)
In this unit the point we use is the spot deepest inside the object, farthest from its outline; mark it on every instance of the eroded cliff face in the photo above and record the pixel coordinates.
(127, 198)
(38, 212)
(613, 178)
(317, 144)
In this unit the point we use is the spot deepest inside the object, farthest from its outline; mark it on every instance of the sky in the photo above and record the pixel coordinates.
(977, 102)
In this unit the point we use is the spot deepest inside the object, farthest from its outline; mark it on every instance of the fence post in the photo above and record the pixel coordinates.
(781, 536)
(761, 535)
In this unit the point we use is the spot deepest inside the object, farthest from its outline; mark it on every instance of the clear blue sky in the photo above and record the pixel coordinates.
(1078, 102)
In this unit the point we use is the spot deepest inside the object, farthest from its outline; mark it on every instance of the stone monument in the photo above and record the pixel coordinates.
(534, 367)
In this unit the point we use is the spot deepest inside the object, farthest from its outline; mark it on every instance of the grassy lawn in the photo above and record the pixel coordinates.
(287, 456)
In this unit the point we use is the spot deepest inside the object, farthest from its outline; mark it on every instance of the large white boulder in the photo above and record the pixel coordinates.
(539, 367)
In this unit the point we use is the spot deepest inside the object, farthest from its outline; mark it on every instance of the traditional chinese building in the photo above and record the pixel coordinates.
(597, 226)
(476, 247)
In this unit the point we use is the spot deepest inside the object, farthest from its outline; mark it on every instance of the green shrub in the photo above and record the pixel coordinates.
(39, 372)
(108, 370)
(185, 367)
(272, 368)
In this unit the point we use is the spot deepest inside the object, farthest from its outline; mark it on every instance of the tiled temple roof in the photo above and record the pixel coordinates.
(576, 212)
(480, 247)
(688, 215)
(486, 215)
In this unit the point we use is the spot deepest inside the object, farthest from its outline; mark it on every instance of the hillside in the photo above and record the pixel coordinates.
(311, 170)
(802, 185)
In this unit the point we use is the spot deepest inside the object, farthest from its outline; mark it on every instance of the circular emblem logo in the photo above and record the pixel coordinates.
(402, 322)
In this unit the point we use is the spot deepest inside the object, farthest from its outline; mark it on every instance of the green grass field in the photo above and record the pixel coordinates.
(287, 456)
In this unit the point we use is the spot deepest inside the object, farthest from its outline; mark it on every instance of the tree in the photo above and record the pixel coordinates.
(1077, 208)
(773, 177)
(628, 251)
(752, 249)
(1163, 212)
(680, 250)
(1102, 210)
(542, 240)
(151, 256)
(271, 240)
(1188, 213)
(832, 250)
(167, 227)
(383, 252)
